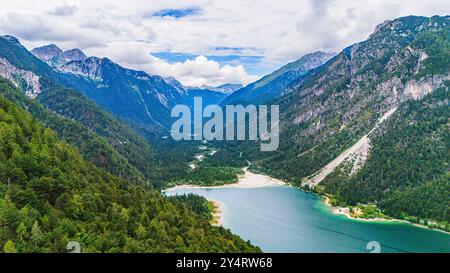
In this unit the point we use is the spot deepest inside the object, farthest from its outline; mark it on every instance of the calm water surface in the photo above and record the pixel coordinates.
(284, 219)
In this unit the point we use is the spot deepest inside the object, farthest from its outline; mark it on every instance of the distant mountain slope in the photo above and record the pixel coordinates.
(134, 96)
(210, 95)
(274, 85)
(128, 94)
(50, 196)
(54, 56)
(226, 88)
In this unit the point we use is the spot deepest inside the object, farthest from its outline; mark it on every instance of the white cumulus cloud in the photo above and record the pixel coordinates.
(201, 71)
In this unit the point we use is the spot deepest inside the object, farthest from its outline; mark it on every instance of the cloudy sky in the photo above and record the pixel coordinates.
(203, 41)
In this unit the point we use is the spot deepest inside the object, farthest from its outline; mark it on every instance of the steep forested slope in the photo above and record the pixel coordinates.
(407, 172)
(93, 147)
(334, 106)
(49, 196)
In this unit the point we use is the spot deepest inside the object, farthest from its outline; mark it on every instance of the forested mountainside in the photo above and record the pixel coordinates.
(343, 102)
(92, 146)
(273, 86)
(38, 80)
(49, 196)
(407, 172)
(135, 145)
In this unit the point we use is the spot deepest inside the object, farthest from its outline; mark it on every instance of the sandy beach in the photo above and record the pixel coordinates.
(246, 180)
(218, 213)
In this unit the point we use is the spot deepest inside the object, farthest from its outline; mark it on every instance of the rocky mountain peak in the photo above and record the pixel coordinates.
(405, 26)
(11, 39)
(74, 55)
(50, 54)
(48, 51)
(229, 87)
(308, 61)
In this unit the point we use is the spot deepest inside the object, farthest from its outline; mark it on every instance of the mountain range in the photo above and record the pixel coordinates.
(132, 95)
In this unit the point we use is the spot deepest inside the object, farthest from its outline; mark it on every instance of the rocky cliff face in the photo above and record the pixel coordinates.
(50, 54)
(26, 80)
(210, 95)
(89, 67)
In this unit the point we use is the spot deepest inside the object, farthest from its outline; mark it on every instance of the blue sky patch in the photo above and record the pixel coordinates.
(177, 13)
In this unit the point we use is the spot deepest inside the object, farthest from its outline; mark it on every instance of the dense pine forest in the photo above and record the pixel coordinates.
(50, 195)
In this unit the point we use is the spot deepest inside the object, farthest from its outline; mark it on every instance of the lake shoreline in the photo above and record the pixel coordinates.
(303, 223)
(253, 180)
(346, 212)
(247, 180)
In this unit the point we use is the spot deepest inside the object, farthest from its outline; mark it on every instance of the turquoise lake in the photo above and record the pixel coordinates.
(285, 219)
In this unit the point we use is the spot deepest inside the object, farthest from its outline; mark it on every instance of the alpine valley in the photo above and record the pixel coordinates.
(86, 152)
